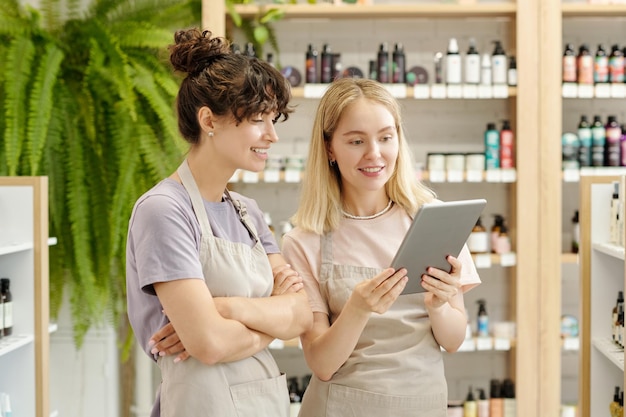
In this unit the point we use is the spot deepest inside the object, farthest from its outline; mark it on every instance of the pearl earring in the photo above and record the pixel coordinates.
(211, 134)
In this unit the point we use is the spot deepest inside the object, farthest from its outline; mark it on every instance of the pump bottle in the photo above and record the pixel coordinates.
(482, 405)
(453, 63)
(482, 323)
(498, 64)
(311, 65)
(382, 63)
(472, 64)
(7, 306)
(398, 64)
(327, 64)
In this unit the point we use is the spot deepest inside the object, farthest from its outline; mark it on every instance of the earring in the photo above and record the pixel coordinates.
(211, 134)
(332, 162)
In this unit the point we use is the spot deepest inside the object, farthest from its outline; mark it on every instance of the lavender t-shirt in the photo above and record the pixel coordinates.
(164, 242)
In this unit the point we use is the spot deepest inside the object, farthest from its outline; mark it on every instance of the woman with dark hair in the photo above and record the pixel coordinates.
(201, 261)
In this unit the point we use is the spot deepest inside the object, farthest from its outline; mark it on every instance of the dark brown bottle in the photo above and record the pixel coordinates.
(7, 306)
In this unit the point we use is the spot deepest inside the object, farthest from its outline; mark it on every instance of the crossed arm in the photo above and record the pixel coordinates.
(225, 329)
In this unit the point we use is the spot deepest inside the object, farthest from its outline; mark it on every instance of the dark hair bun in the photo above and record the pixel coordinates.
(195, 50)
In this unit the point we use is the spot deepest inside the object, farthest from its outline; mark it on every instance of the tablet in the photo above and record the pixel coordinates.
(439, 229)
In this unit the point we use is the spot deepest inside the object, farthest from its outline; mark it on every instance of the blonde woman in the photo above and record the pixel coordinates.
(372, 352)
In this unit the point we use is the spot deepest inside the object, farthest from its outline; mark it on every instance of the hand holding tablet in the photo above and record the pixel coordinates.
(439, 229)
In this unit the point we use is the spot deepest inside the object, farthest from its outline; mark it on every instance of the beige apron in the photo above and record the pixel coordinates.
(250, 387)
(396, 368)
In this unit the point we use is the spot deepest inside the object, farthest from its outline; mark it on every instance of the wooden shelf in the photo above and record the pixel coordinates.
(409, 94)
(383, 11)
(593, 10)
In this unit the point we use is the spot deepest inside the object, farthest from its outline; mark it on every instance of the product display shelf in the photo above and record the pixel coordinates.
(602, 276)
(593, 10)
(24, 259)
(537, 385)
(382, 11)
(421, 92)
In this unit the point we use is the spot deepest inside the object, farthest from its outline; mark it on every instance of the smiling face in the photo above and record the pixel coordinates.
(365, 147)
(245, 145)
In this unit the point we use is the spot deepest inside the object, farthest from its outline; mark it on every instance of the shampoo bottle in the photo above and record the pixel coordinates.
(472, 64)
(311, 65)
(585, 140)
(496, 402)
(492, 147)
(382, 63)
(399, 65)
(498, 222)
(569, 64)
(507, 146)
(616, 65)
(584, 62)
(453, 63)
(598, 142)
(498, 64)
(512, 72)
(601, 66)
(482, 326)
(482, 405)
(485, 70)
(612, 146)
(327, 64)
(7, 306)
(469, 406)
(503, 244)
(508, 392)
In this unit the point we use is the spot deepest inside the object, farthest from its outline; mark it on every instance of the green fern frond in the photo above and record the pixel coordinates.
(40, 104)
(139, 35)
(19, 58)
(52, 13)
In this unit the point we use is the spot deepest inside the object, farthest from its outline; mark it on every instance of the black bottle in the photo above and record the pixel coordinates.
(598, 142)
(7, 306)
(311, 65)
(585, 139)
(399, 65)
(382, 63)
(327, 64)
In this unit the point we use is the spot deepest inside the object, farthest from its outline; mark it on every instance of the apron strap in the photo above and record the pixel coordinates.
(243, 216)
(196, 198)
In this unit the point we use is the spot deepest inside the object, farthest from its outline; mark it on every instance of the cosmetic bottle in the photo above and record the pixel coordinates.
(472, 64)
(482, 404)
(398, 64)
(614, 212)
(601, 66)
(503, 244)
(7, 306)
(507, 145)
(327, 64)
(373, 73)
(478, 241)
(6, 405)
(453, 63)
(615, 316)
(482, 321)
(575, 232)
(598, 142)
(569, 64)
(498, 64)
(585, 142)
(616, 65)
(469, 406)
(508, 392)
(512, 72)
(492, 147)
(584, 64)
(270, 59)
(485, 70)
(612, 147)
(438, 57)
(382, 63)
(496, 402)
(250, 51)
(498, 222)
(311, 65)
(614, 405)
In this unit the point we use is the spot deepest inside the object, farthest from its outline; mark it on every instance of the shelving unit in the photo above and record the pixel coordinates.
(24, 259)
(535, 297)
(602, 276)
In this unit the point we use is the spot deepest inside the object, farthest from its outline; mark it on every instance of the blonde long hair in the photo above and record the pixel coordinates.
(319, 210)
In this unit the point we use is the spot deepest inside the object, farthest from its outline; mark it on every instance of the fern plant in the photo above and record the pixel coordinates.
(86, 98)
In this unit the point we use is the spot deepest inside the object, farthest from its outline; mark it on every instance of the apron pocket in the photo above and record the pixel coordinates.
(268, 397)
(352, 402)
